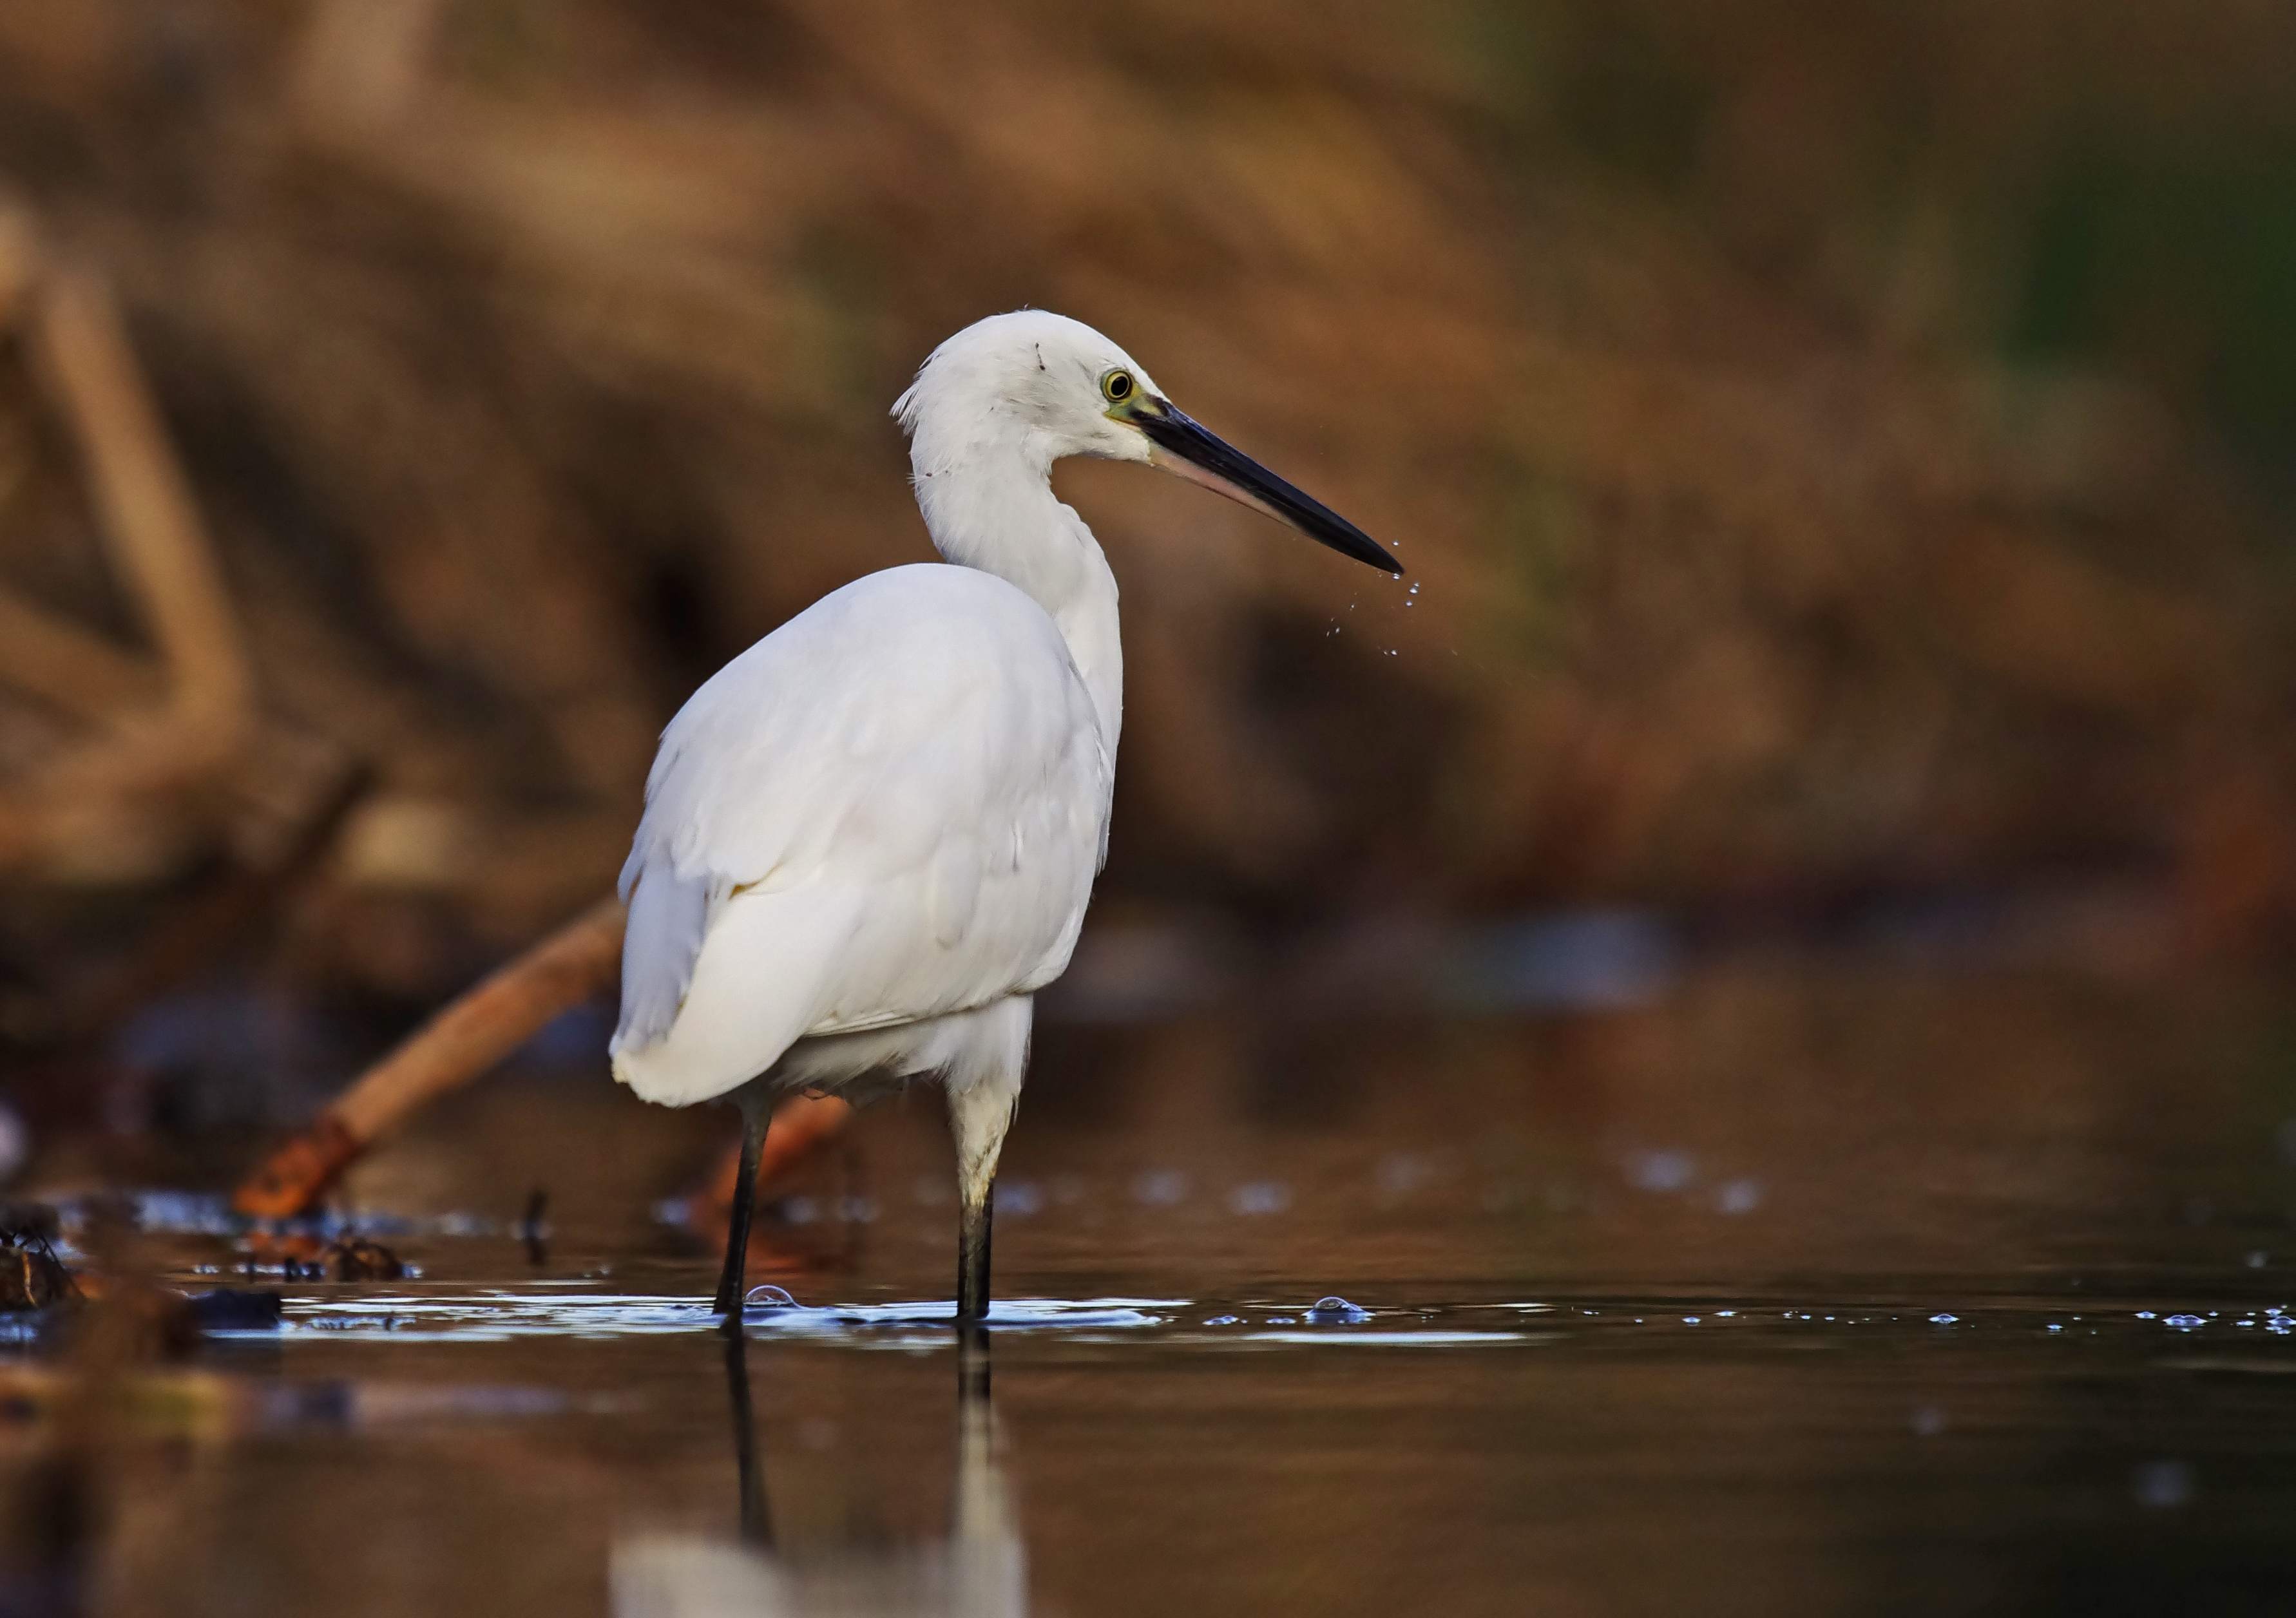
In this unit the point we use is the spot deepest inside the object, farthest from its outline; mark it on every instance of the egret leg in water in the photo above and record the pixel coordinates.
(730, 1280)
(870, 839)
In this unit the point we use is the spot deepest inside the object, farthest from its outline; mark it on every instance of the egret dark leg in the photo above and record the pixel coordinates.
(981, 1103)
(745, 1198)
(972, 1231)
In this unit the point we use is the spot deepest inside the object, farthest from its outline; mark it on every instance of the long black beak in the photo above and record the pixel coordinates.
(1181, 445)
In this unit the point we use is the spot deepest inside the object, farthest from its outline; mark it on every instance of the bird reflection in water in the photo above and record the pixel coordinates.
(979, 1570)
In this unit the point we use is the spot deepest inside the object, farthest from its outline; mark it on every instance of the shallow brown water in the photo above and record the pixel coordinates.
(1790, 1290)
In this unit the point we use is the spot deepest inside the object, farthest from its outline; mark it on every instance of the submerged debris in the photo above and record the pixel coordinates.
(31, 1276)
(230, 1310)
(355, 1258)
(534, 1227)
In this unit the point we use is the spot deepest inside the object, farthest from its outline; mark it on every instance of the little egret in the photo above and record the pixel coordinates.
(870, 839)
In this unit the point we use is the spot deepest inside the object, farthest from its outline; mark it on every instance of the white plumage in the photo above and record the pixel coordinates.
(870, 838)
(888, 810)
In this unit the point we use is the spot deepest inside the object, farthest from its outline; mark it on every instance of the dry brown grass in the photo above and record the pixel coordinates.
(528, 359)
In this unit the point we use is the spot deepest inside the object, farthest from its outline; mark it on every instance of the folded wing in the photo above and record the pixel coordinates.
(890, 808)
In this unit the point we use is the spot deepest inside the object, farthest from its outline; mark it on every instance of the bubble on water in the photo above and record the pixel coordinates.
(769, 1296)
(1225, 1321)
(1944, 1320)
(1928, 1421)
(1337, 1312)
(1260, 1197)
(1689, 1319)
(1282, 1319)
(2052, 1326)
(1021, 1198)
(1725, 1314)
(2162, 1484)
(2185, 1323)
(2146, 1314)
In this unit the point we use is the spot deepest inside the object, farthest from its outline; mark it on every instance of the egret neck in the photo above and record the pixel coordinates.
(990, 505)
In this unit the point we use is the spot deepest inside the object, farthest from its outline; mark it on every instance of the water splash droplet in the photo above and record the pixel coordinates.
(768, 1296)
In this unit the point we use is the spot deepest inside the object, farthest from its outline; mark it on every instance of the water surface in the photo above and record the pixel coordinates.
(1861, 1290)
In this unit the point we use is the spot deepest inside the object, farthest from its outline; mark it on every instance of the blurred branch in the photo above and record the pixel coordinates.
(160, 737)
(159, 545)
(460, 1043)
(77, 670)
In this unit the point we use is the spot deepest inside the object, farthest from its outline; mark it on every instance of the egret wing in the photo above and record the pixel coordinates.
(890, 808)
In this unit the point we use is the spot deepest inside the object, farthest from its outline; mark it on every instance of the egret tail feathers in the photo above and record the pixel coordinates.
(757, 984)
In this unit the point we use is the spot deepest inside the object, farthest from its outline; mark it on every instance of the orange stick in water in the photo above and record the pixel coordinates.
(462, 1042)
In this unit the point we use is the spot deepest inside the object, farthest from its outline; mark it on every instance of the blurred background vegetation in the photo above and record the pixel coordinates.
(1843, 452)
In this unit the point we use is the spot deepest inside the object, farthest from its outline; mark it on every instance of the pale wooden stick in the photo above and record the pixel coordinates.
(486, 1024)
(466, 1038)
(206, 716)
(473, 1034)
(149, 520)
(71, 668)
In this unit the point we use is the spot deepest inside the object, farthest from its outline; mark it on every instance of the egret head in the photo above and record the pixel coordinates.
(1049, 387)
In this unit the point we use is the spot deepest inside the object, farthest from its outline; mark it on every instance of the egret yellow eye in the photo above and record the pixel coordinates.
(1117, 385)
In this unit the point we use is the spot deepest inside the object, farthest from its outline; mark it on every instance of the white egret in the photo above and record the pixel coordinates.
(870, 838)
